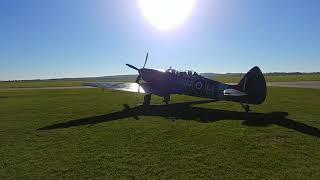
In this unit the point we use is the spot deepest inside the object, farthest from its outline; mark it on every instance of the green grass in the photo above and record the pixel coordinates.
(100, 139)
(278, 78)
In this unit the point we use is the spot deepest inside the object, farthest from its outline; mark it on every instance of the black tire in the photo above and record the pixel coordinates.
(166, 99)
(147, 100)
(247, 108)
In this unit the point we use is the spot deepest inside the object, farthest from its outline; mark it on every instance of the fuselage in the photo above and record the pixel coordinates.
(250, 90)
(186, 83)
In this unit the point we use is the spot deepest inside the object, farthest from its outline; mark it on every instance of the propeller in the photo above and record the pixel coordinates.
(138, 79)
(139, 70)
(145, 61)
(133, 67)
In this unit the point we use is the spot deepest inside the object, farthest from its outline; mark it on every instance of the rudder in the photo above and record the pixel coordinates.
(254, 84)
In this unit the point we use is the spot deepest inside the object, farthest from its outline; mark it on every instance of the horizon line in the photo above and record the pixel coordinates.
(61, 78)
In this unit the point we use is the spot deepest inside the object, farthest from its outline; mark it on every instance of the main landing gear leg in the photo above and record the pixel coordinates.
(147, 99)
(166, 99)
(246, 107)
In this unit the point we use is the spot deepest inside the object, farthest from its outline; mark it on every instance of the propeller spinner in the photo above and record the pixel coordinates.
(133, 67)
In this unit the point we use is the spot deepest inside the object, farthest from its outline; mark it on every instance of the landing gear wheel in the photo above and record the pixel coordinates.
(166, 99)
(147, 99)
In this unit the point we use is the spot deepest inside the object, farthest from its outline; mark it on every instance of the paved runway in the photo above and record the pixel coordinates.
(298, 84)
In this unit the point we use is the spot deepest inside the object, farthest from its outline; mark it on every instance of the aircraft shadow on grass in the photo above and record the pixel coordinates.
(186, 111)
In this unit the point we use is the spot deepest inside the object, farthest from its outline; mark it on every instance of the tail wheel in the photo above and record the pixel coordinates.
(246, 107)
(166, 99)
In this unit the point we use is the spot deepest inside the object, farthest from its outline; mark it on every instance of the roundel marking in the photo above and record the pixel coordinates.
(199, 85)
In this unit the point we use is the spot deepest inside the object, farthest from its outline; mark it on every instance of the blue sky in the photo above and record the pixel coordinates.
(79, 38)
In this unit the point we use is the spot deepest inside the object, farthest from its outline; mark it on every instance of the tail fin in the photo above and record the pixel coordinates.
(254, 84)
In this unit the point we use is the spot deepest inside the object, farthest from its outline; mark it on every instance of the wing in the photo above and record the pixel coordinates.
(130, 87)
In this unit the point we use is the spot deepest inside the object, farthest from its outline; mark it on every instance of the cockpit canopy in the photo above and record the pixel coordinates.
(187, 73)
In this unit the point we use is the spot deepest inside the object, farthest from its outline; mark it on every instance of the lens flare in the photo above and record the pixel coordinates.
(166, 14)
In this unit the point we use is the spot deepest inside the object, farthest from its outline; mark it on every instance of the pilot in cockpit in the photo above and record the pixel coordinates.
(195, 74)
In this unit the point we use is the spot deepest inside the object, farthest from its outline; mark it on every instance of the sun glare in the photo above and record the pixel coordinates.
(166, 14)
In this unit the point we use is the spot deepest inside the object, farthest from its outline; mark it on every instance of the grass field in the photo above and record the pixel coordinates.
(68, 83)
(88, 133)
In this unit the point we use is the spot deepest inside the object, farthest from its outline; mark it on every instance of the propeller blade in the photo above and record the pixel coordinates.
(138, 79)
(145, 62)
(133, 67)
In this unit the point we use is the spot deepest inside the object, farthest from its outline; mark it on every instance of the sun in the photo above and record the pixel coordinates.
(166, 14)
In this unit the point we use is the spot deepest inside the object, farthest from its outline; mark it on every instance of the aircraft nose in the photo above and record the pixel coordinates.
(144, 74)
(145, 71)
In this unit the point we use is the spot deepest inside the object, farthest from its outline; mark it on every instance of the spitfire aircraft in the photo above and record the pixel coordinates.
(250, 90)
